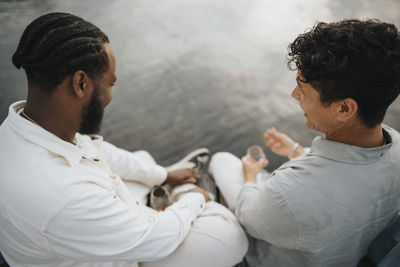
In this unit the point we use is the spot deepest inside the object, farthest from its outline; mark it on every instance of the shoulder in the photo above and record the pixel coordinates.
(37, 183)
(298, 171)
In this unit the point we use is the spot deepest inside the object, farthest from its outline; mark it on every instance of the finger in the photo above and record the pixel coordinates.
(183, 172)
(191, 180)
(274, 133)
(269, 134)
(276, 145)
(245, 158)
(265, 163)
(278, 135)
(270, 142)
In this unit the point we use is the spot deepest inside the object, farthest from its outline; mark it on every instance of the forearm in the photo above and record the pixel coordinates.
(130, 166)
(265, 215)
(178, 217)
(126, 233)
(247, 208)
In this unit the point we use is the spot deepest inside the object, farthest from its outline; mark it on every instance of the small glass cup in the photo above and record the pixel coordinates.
(256, 152)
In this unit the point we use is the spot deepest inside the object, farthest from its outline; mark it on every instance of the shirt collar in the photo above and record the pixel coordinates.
(38, 135)
(348, 153)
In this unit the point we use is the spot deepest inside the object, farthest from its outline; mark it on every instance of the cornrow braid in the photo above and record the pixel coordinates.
(65, 35)
(70, 50)
(37, 29)
(56, 45)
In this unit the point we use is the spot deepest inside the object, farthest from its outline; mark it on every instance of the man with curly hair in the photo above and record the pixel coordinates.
(327, 203)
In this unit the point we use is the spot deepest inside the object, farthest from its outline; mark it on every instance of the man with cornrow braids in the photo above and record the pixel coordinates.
(63, 200)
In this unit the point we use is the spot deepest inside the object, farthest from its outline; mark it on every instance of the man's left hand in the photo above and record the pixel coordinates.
(251, 168)
(182, 176)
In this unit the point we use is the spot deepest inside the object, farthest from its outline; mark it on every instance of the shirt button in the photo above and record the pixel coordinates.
(381, 155)
(201, 206)
(137, 203)
(97, 160)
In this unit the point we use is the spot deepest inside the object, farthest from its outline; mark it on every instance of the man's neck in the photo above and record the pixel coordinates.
(51, 116)
(358, 135)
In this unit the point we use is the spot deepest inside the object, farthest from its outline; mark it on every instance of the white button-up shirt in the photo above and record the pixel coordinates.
(66, 205)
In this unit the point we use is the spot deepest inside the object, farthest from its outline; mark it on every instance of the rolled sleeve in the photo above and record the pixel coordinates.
(99, 227)
(131, 167)
(266, 216)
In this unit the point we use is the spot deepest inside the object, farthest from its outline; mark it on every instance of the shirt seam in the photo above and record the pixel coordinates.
(297, 247)
(29, 224)
(52, 215)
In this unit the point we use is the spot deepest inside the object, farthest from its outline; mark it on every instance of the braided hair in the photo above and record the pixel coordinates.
(56, 45)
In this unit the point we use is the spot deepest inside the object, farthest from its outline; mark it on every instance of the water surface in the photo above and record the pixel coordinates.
(194, 73)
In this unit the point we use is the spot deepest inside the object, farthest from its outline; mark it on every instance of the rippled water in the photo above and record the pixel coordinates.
(194, 73)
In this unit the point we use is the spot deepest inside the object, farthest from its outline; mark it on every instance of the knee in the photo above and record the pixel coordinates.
(222, 155)
(223, 233)
(220, 158)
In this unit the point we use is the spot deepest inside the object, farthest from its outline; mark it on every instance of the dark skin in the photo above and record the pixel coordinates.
(60, 112)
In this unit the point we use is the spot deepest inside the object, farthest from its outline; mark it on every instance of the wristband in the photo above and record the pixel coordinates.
(295, 145)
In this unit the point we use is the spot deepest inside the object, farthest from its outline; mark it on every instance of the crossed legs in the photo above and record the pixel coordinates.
(216, 238)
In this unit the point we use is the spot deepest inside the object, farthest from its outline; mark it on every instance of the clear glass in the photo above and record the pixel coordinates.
(256, 152)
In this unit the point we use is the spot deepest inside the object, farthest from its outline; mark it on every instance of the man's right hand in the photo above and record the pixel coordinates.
(281, 144)
(182, 176)
(201, 190)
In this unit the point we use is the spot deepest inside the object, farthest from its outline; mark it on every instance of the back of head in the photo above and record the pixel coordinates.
(351, 58)
(56, 45)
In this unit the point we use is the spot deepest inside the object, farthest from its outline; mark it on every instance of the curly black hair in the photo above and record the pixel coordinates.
(351, 58)
(56, 45)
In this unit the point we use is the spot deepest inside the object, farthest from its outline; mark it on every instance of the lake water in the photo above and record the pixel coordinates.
(194, 73)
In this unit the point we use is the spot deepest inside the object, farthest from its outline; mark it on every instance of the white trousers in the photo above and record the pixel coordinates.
(216, 238)
(227, 171)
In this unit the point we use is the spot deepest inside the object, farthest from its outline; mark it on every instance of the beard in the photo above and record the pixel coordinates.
(92, 115)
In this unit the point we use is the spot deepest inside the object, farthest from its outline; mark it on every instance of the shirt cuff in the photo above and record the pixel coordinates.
(306, 151)
(159, 175)
(248, 184)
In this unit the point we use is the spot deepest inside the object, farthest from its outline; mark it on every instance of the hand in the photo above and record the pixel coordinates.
(182, 176)
(281, 144)
(251, 168)
(201, 190)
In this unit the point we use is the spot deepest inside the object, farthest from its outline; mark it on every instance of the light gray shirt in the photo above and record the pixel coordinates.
(325, 207)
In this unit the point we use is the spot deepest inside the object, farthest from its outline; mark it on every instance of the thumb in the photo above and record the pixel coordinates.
(191, 180)
(265, 163)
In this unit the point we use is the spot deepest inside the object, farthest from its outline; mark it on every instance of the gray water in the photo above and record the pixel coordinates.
(194, 73)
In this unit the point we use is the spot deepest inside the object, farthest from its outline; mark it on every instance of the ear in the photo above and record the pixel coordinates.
(347, 109)
(80, 84)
